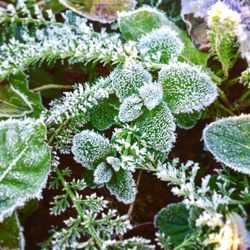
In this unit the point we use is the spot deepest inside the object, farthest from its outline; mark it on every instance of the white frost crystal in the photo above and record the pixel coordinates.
(151, 94)
(186, 87)
(89, 147)
(158, 128)
(130, 109)
(161, 45)
(126, 79)
(102, 173)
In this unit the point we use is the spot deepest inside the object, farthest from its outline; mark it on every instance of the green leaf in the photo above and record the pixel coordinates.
(158, 128)
(188, 120)
(90, 147)
(122, 185)
(16, 100)
(134, 24)
(102, 173)
(11, 235)
(186, 87)
(103, 116)
(127, 78)
(24, 163)
(173, 222)
(229, 141)
(130, 109)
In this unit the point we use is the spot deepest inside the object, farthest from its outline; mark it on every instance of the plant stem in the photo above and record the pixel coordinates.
(52, 86)
(245, 95)
(77, 206)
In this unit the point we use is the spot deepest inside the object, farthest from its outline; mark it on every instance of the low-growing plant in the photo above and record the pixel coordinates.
(121, 121)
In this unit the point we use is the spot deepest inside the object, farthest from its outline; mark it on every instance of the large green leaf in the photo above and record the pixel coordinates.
(229, 141)
(24, 163)
(11, 235)
(16, 100)
(173, 221)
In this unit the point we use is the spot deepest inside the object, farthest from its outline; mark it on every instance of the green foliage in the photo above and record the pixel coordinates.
(24, 163)
(122, 185)
(186, 88)
(229, 141)
(90, 147)
(151, 94)
(139, 22)
(130, 109)
(158, 128)
(11, 235)
(102, 173)
(161, 45)
(173, 221)
(17, 101)
(188, 120)
(127, 78)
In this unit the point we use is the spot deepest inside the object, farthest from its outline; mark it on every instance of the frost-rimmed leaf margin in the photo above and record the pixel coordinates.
(10, 226)
(231, 163)
(36, 133)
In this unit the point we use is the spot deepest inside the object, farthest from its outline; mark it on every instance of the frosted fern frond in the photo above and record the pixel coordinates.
(122, 185)
(161, 45)
(127, 78)
(130, 109)
(102, 173)
(186, 87)
(151, 94)
(134, 24)
(78, 102)
(90, 147)
(63, 42)
(158, 128)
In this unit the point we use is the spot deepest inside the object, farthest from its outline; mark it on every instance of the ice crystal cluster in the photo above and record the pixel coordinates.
(116, 124)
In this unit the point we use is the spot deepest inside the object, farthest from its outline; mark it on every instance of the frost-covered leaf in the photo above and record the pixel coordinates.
(151, 94)
(16, 100)
(11, 235)
(122, 185)
(186, 88)
(173, 221)
(102, 173)
(188, 120)
(158, 128)
(130, 109)
(161, 45)
(114, 162)
(24, 163)
(134, 24)
(103, 116)
(90, 147)
(128, 78)
(229, 141)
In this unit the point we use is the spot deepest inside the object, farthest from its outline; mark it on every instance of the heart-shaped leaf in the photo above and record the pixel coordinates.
(24, 163)
(229, 141)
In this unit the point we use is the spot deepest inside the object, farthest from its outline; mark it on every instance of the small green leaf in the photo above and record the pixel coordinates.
(90, 147)
(186, 88)
(173, 222)
(24, 163)
(102, 173)
(122, 185)
(130, 109)
(188, 120)
(127, 78)
(11, 235)
(158, 128)
(103, 116)
(134, 24)
(16, 100)
(229, 141)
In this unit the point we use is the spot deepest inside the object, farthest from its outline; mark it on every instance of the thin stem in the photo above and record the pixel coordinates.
(58, 131)
(131, 207)
(245, 95)
(77, 206)
(52, 86)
